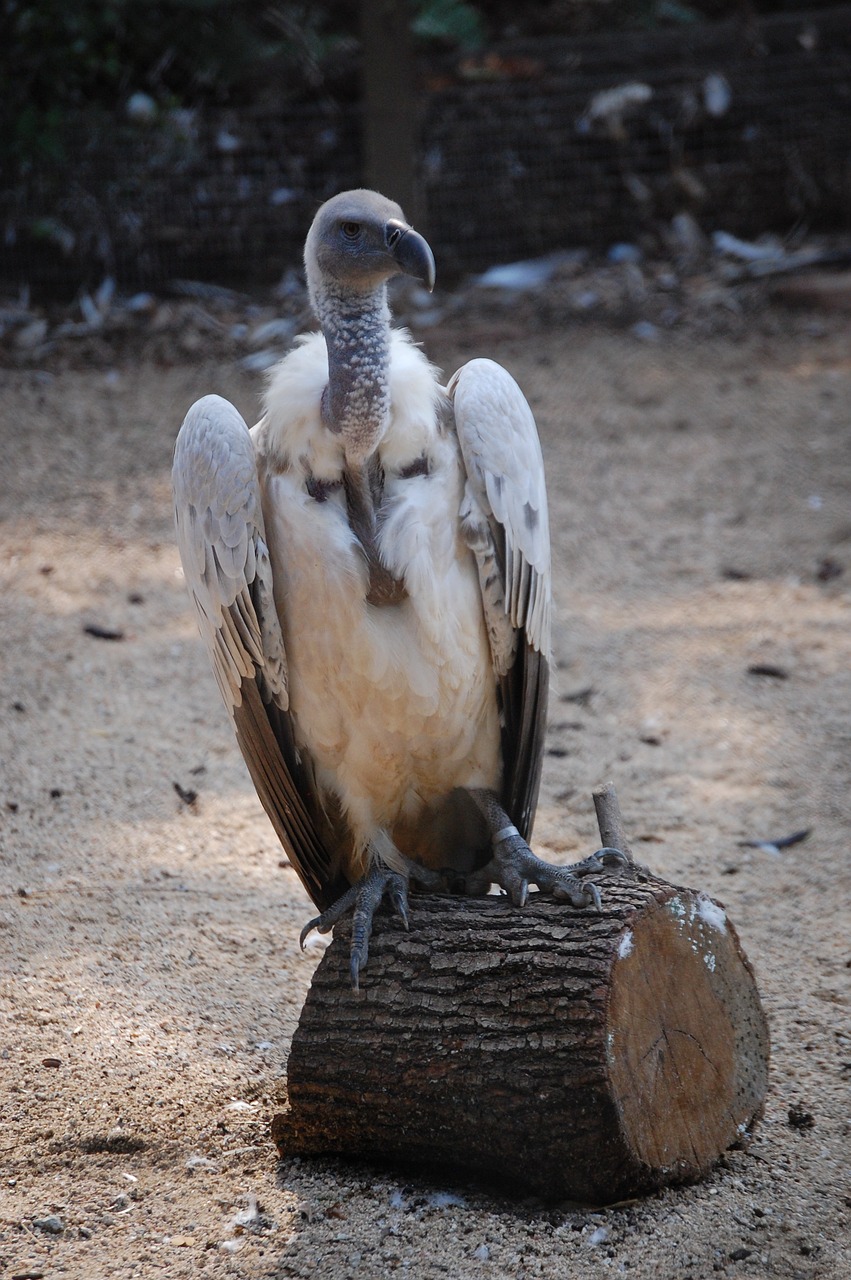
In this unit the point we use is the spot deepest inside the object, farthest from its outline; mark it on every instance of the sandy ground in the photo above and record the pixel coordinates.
(151, 971)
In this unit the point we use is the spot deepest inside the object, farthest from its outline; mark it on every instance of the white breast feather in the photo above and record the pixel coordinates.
(396, 705)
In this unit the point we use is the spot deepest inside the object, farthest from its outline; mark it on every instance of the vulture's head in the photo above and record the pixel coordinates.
(358, 240)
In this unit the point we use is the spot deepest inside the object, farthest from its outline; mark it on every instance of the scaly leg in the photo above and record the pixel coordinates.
(514, 866)
(363, 900)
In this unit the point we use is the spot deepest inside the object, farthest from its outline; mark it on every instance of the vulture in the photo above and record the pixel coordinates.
(370, 566)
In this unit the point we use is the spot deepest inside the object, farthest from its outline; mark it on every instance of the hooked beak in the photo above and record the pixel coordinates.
(411, 252)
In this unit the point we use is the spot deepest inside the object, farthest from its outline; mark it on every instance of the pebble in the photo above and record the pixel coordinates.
(645, 331)
(141, 108)
(51, 1224)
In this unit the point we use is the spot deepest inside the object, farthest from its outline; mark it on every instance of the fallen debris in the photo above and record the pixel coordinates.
(103, 633)
(799, 1118)
(676, 276)
(774, 846)
(186, 794)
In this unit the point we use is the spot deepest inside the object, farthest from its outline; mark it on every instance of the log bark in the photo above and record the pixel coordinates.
(557, 1051)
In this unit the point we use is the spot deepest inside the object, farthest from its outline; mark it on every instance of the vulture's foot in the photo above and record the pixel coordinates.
(363, 900)
(513, 865)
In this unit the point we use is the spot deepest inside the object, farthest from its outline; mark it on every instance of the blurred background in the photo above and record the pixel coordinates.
(148, 142)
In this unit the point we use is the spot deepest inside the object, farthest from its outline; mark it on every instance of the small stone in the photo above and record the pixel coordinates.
(141, 108)
(645, 331)
(800, 1119)
(52, 1224)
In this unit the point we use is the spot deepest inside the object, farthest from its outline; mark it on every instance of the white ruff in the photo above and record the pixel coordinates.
(396, 705)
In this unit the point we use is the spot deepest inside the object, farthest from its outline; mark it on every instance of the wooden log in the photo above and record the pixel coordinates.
(558, 1051)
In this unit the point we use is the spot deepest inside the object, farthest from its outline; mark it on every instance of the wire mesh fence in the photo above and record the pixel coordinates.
(540, 146)
(747, 127)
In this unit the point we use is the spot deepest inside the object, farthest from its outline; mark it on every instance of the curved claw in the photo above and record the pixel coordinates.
(364, 897)
(514, 867)
(610, 857)
(329, 918)
(602, 860)
(311, 924)
(579, 893)
(399, 898)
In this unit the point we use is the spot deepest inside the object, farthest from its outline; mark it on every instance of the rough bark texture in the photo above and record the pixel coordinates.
(572, 1054)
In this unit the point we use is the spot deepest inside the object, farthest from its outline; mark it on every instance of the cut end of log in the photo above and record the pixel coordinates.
(686, 1045)
(572, 1054)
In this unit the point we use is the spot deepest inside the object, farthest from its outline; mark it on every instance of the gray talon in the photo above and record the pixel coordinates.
(364, 898)
(513, 866)
(329, 918)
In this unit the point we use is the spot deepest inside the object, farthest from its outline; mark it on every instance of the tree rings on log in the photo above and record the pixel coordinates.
(576, 1055)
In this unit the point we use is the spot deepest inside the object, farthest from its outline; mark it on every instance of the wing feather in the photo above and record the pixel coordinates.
(505, 520)
(222, 541)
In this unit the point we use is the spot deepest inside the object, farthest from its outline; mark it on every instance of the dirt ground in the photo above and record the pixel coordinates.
(151, 972)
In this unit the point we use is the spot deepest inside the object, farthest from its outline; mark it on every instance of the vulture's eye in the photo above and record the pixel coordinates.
(350, 230)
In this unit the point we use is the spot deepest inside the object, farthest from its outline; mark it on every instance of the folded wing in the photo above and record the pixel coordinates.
(506, 525)
(221, 536)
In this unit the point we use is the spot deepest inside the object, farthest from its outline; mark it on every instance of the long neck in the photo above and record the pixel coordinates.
(357, 405)
(357, 333)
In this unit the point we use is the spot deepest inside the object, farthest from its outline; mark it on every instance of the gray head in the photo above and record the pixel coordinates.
(357, 241)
